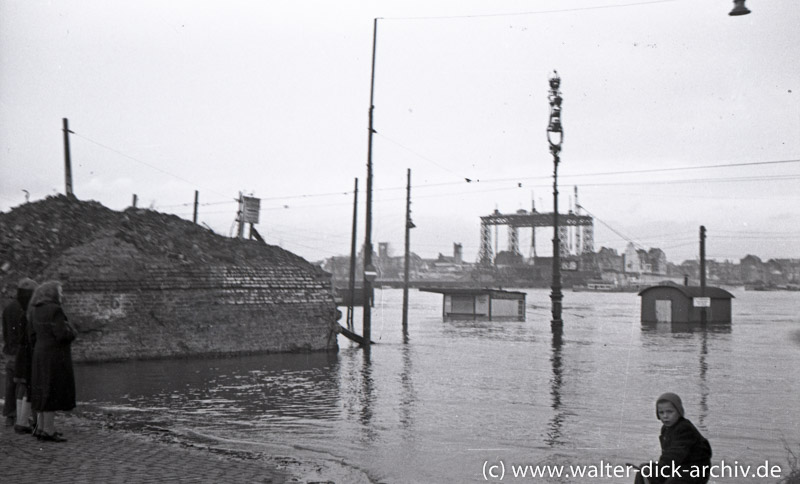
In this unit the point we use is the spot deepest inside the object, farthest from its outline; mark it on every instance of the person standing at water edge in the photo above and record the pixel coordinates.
(53, 380)
(14, 335)
(682, 448)
(22, 363)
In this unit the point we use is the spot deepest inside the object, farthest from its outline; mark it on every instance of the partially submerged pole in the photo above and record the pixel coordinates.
(352, 280)
(369, 270)
(703, 315)
(555, 137)
(409, 226)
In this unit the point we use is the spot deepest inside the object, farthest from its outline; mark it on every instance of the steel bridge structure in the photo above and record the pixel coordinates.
(582, 227)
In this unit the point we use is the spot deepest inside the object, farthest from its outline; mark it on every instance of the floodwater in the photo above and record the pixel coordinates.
(462, 401)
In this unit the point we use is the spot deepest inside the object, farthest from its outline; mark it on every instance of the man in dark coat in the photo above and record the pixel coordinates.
(14, 333)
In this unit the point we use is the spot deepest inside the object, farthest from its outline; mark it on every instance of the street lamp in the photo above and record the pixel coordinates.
(555, 136)
(738, 8)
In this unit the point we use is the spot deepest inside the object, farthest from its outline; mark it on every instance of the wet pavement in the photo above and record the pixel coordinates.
(94, 454)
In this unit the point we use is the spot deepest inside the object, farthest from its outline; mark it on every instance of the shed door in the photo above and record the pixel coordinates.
(664, 310)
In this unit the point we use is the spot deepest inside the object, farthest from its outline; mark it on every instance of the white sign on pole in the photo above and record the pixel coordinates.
(701, 302)
(251, 209)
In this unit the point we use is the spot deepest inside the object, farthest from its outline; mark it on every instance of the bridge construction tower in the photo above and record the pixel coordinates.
(513, 240)
(533, 220)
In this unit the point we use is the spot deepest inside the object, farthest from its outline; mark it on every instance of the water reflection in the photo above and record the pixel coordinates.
(703, 381)
(685, 328)
(555, 426)
(367, 393)
(679, 332)
(408, 394)
(252, 387)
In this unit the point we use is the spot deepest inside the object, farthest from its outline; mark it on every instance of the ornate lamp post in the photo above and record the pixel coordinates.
(555, 136)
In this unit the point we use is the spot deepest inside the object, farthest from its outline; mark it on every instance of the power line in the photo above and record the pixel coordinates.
(142, 162)
(534, 12)
(631, 172)
(682, 168)
(420, 156)
(624, 237)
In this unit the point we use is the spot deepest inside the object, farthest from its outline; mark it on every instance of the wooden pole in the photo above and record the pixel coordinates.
(369, 270)
(240, 233)
(135, 199)
(407, 255)
(703, 315)
(196, 199)
(352, 280)
(67, 161)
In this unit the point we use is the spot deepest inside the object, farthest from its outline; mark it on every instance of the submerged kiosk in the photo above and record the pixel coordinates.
(480, 304)
(671, 303)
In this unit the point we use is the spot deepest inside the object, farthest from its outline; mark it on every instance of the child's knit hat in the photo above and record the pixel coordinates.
(675, 400)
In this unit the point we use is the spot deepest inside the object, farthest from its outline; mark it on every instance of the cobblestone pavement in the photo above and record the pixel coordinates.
(94, 454)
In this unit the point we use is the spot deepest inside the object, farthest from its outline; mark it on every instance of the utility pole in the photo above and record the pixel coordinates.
(703, 315)
(67, 161)
(555, 137)
(369, 270)
(352, 279)
(240, 231)
(409, 226)
(196, 199)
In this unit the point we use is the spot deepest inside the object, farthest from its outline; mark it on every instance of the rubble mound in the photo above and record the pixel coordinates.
(35, 234)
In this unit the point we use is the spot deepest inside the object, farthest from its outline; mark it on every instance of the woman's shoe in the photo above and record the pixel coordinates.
(52, 438)
(21, 429)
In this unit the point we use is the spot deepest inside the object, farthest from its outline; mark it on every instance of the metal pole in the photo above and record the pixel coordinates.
(196, 199)
(368, 269)
(352, 280)
(407, 254)
(67, 161)
(556, 296)
(555, 137)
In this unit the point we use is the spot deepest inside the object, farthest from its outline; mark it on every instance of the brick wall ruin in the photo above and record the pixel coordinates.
(152, 286)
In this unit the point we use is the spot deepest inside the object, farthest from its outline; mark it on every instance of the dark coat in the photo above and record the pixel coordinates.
(683, 444)
(53, 380)
(13, 327)
(24, 354)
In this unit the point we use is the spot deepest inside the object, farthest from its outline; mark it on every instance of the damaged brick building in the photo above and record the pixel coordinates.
(142, 284)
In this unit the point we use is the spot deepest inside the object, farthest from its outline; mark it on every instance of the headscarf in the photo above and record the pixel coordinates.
(25, 288)
(46, 292)
(672, 398)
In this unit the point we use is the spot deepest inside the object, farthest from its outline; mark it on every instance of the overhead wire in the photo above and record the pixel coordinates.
(532, 12)
(125, 155)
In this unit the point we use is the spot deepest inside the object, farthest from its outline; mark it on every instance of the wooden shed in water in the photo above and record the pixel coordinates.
(672, 303)
(481, 304)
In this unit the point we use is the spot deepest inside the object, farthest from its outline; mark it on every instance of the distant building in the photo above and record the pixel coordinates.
(657, 260)
(609, 260)
(636, 260)
(752, 270)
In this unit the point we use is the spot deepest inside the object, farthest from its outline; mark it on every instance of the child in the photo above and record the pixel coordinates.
(685, 453)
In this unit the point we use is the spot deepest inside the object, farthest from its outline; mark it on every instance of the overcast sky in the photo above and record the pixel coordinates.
(675, 115)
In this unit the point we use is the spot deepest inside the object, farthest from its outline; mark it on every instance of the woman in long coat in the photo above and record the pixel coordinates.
(53, 380)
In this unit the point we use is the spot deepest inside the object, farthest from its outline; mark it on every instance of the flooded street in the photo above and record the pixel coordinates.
(461, 397)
